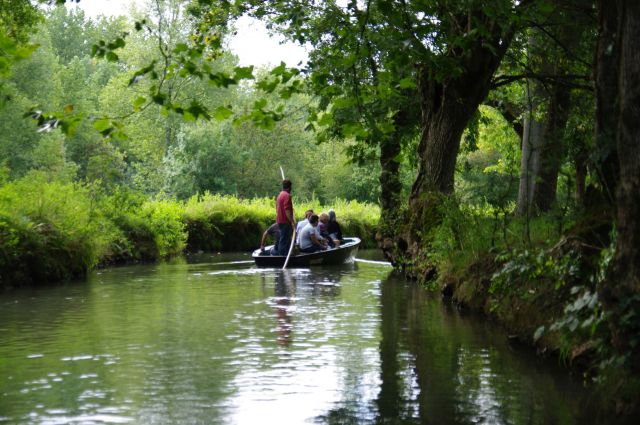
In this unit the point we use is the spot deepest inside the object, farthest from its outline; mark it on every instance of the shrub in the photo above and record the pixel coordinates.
(222, 222)
(165, 221)
(48, 231)
(217, 222)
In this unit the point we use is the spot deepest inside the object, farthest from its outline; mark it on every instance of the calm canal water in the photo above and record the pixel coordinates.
(217, 341)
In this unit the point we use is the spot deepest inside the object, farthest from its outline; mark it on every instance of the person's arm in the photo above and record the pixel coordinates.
(319, 237)
(289, 214)
(264, 239)
(315, 240)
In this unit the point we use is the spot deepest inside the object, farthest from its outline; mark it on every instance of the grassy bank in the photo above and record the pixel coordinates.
(52, 230)
(226, 223)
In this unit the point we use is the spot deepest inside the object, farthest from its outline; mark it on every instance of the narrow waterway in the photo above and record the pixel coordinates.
(214, 340)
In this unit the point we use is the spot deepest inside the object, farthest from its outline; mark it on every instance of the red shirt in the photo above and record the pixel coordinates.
(283, 203)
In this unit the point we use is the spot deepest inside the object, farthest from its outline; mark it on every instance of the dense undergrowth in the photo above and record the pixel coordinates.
(52, 230)
(539, 279)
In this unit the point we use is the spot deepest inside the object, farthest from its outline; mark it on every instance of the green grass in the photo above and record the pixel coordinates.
(217, 222)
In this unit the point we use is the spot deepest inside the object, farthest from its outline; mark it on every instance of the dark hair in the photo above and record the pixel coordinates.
(308, 213)
(286, 184)
(313, 219)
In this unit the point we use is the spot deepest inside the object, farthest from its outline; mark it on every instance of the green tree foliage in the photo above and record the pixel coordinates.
(364, 78)
(488, 166)
(17, 19)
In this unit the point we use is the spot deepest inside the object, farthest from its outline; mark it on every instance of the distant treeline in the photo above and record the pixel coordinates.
(52, 230)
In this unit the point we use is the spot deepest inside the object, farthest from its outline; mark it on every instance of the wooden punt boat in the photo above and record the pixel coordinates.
(345, 253)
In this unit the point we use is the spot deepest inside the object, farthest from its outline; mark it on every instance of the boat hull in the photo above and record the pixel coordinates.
(345, 253)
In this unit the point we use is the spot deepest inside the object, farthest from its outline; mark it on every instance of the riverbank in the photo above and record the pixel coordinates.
(542, 294)
(53, 231)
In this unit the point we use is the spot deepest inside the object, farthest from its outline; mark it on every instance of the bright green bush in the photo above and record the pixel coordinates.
(165, 220)
(49, 231)
(222, 222)
(133, 237)
(216, 222)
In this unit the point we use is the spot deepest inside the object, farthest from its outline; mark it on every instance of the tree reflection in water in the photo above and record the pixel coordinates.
(438, 366)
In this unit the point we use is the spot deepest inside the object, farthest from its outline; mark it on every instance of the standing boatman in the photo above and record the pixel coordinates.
(284, 217)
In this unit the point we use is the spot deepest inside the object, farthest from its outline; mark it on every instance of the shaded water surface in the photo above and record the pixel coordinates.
(215, 340)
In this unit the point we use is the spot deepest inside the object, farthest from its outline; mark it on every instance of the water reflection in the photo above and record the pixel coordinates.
(439, 367)
(322, 283)
(284, 294)
(222, 342)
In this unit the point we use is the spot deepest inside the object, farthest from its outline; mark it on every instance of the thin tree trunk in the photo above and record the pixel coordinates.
(530, 158)
(580, 161)
(390, 185)
(552, 152)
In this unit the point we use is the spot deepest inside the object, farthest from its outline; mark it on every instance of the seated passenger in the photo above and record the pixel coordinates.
(274, 231)
(302, 223)
(323, 227)
(333, 228)
(309, 239)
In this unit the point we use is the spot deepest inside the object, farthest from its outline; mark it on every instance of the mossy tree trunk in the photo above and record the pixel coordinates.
(447, 105)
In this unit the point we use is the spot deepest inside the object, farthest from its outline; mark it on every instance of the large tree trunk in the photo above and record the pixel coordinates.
(607, 55)
(621, 292)
(628, 142)
(447, 106)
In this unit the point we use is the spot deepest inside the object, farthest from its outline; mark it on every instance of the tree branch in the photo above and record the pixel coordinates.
(566, 80)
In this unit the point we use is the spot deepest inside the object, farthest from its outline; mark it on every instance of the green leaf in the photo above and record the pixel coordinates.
(407, 83)
(280, 69)
(117, 43)
(197, 111)
(139, 102)
(260, 103)
(344, 102)
(102, 124)
(222, 112)
(180, 47)
(159, 98)
(243, 73)
(220, 79)
(386, 127)
(325, 120)
(111, 56)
